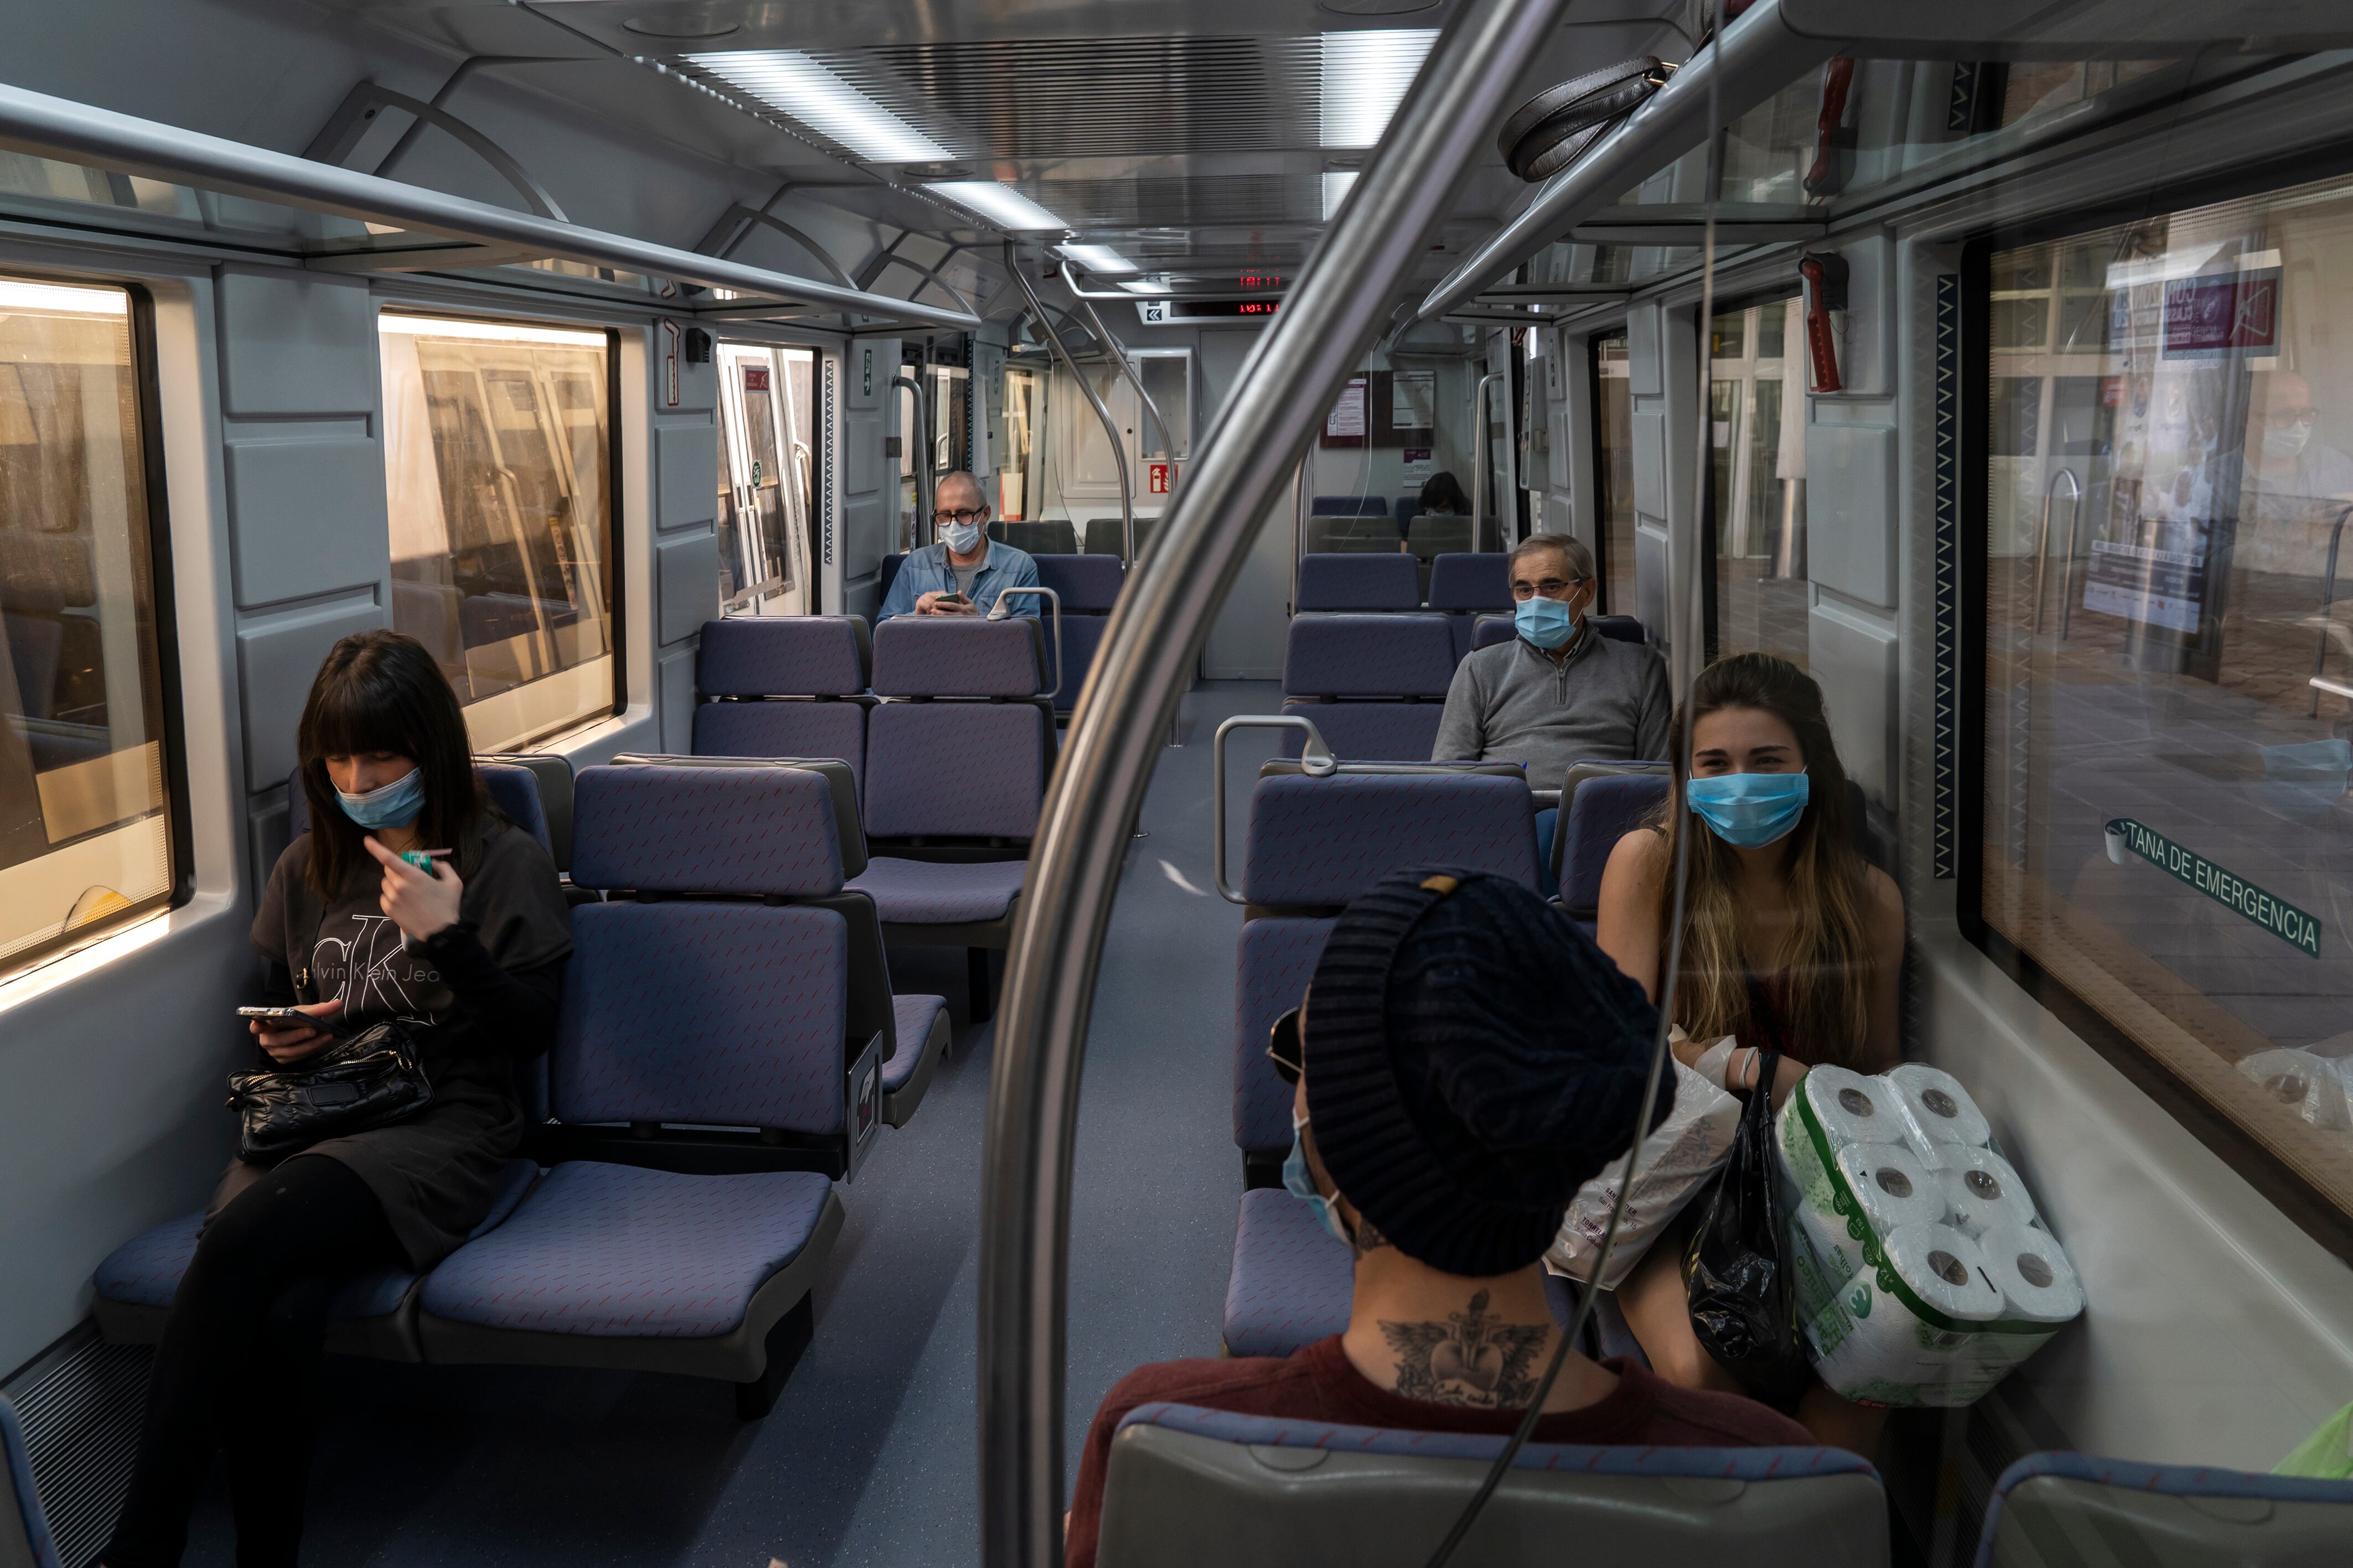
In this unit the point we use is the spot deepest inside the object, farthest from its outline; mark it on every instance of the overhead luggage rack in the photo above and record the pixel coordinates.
(434, 231)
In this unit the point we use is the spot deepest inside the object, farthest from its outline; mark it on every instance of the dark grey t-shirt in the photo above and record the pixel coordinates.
(964, 574)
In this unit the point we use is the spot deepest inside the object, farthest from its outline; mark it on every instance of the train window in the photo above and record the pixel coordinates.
(499, 474)
(85, 837)
(1757, 439)
(2168, 661)
(1613, 454)
(768, 478)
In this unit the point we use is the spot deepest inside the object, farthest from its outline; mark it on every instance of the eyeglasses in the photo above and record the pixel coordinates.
(1551, 587)
(1284, 1049)
(971, 514)
(2279, 417)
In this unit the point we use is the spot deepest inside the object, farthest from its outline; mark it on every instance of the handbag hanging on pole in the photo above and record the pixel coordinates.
(1734, 1274)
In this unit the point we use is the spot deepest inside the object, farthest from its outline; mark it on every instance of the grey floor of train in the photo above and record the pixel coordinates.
(869, 1458)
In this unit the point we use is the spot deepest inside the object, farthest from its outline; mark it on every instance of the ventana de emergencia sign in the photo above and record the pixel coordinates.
(2276, 915)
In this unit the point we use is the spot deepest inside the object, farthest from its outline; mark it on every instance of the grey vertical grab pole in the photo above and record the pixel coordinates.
(1481, 472)
(1126, 365)
(925, 476)
(1145, 661)
(1086, 387)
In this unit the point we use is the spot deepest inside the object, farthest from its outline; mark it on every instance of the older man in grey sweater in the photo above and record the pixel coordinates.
(1560, 692)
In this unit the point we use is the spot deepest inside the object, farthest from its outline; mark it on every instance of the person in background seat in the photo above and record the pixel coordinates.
(1560, 692)
(962, 574)
(1441, 496)
(1791, 940)
(1466, 1059)
(470, 957)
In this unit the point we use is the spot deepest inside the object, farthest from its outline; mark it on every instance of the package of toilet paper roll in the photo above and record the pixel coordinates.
(1918, 1270)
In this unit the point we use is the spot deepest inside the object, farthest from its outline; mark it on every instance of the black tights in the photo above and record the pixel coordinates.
(239, 1357)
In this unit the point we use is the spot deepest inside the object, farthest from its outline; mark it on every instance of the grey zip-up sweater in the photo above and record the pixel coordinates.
(1607, 701)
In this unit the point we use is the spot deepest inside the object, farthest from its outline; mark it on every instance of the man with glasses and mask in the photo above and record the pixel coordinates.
(1465, 1059)
(1560, 692)
(964, 571)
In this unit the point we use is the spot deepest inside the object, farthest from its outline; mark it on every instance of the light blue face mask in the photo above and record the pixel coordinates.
(395, 804)
(961, 538)
(1750, 810)
(1299, 1185)
(1546, 623)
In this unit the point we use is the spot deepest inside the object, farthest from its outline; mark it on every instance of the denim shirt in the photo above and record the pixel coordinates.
(928, 571)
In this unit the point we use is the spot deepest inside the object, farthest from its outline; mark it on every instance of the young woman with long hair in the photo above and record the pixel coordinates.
(469, 958)
(1791, 941)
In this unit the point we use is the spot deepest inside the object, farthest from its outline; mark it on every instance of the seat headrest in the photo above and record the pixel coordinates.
(1481, 581)
(515, 790)
(956, 656)
(1359, 582)
(661, 830)
(1489, 630)
(1369, 655)
(1602, 811)
(782, 656)
(1088, 584)
(1321, 842)
(1620, 628)
(1350, 506)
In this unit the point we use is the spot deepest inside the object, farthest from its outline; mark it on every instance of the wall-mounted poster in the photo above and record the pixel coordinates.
(1413, 400)
(1420, 466)
(1344, 426)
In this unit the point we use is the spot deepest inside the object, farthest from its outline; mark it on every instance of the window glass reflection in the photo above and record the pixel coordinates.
(1756, 445)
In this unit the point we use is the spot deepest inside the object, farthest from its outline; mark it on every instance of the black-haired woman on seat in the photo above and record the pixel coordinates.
(469, 956)
(1441, 496)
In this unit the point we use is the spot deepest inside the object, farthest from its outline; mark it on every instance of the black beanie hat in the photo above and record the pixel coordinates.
(1473, 1058)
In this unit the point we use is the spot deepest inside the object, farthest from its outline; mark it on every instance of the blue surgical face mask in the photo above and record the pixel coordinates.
(1299, 1184)
(395, 804)
(962, 538)
(1546, 623)
(1751, 810)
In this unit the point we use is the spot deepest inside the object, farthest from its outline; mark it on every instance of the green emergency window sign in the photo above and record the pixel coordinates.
(2275, 914)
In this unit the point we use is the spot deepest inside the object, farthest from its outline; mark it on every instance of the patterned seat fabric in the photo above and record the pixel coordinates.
(730, 1014)
(968, 770)
(1291, 1282)
(2045, 1506)
(1470, 583)
(781, 656)
(939, 892)
(1369, 655)
(1486, 631)
(956, 656)
(146, 1271)
(784, 730)
(1600, 813)
(1354, 582)
(1273, 961)
(1087, 584)
(1321, 842)
(705, 830)
(910, 1018)
(616, 1251)
(1370, 732)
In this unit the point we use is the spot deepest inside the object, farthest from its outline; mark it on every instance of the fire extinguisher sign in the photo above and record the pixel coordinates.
(1162, 475)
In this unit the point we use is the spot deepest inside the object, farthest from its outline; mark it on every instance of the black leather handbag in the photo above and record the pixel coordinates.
(366, 1080)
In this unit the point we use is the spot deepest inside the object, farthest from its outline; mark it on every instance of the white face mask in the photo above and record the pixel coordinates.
(962, 538)
(2285, 443)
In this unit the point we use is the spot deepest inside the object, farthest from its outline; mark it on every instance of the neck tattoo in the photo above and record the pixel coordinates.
(1473, 1358)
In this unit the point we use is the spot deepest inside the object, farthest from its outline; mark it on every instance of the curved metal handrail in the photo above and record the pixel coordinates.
(1087, 389)
(925, 479)
(1481, 469)
(2042, 548)
(1315, 760)
(1001, 610)
(1119, 356)
(1147, 660)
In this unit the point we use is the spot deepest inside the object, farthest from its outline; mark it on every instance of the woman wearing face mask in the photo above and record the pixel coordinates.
(469, 956)
(1791, 941)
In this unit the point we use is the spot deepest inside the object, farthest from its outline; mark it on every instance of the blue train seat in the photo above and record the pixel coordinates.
(1089, 587)
(1600, 803)
(783, 686)
(1375, 685)
(1354, 582)
(1057, 536)
(25, 1535)
(1466, 585)
(1351, 506)
(956, 769)
(1188, 1485)
(1292, 1280)
(687, 1006)
(2075, 1510)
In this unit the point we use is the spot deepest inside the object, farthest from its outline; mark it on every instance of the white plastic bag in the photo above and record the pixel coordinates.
(1691, 1146)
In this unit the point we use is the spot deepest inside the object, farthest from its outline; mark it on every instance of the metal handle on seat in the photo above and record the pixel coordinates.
(1315, 760)
(1001, 610)
(1086, 390)
(1479, 474)
(2042, 548)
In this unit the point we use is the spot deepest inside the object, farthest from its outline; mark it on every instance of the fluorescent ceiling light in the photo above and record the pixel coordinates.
(1098, 258)
(64, 297)
(1001, 205)
(1335, 191)
(1365, 76)
(486, 331)
(789, 80)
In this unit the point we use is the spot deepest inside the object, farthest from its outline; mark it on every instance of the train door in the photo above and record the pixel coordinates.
(1083, 456)
(766, 471)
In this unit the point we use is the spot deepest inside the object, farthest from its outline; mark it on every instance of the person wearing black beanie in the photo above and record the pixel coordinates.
(1465, 1059)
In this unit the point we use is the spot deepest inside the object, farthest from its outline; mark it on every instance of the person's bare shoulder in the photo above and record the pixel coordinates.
(1639, 860)
(1886, 900)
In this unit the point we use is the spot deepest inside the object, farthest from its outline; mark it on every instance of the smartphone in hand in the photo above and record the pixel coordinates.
(291, 1018)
